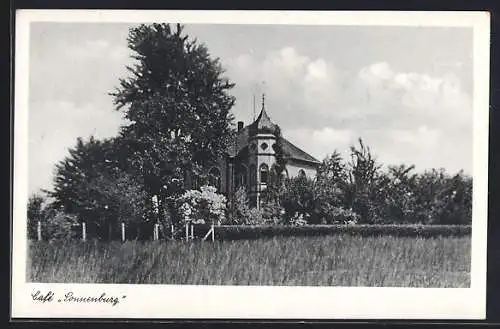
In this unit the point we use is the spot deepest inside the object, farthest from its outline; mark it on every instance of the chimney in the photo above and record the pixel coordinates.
(240, 125)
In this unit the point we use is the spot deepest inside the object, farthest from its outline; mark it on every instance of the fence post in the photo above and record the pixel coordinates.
(39, 230)
(84, 231)
(123, 232)
(213, 232)
(187, 231)
(172, 231)
(156, 232)
(192, 231)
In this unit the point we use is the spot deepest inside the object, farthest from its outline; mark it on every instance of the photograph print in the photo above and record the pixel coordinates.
(236, 154)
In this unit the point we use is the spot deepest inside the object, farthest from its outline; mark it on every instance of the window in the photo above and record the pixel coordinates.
(263, 146)
(253, 174)
(242, 176)
(214, 178)
(302, 173)
(264, 170)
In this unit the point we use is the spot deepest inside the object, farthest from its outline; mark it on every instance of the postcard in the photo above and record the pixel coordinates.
(250, 164)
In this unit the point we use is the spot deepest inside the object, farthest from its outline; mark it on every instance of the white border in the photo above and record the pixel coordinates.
(172, 301)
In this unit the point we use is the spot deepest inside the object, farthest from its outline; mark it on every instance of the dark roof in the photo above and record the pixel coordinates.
(295, 153)
(264, 124)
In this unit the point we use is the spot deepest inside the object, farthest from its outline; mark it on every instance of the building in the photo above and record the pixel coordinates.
(251, 156)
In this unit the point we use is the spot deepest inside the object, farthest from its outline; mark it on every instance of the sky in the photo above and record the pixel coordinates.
(406, 91)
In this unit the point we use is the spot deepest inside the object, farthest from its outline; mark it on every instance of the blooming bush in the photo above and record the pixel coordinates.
(205, 206)
(299, 219)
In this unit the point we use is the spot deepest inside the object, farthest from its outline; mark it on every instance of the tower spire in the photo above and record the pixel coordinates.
(263, 100)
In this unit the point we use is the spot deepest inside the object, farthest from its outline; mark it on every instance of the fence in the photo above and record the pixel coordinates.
(82, 231)
(236, 232)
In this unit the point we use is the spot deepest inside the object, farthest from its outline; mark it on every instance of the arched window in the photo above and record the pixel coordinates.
(264, 173)
(253, 175)
(302, 173)
(242, 176)
(214, 178)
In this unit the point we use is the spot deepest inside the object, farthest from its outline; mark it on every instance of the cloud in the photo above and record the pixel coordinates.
(422, 137)
(320, 142)
(323, 108)
(54, 126)
(435, 101)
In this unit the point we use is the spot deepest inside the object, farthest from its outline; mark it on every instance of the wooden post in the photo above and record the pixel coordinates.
(172, 231)
(192, 232)
(84, 231)
(123, 232)
(213, 232)
(187, 231)
(39, 230)
(156, 233)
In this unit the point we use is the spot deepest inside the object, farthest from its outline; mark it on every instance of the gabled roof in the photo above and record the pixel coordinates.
(293, 152)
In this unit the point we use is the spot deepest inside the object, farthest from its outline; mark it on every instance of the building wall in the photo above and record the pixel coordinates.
(294, 168)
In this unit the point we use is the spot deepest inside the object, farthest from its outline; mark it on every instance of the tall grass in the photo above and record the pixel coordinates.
(328, 261)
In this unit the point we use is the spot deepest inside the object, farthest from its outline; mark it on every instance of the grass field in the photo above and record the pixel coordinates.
(328, 261)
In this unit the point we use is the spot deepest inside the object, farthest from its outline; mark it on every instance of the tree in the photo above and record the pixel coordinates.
(239, 209)
(55, 224)
(92, 183)
(397, 202)
(34, 214)
(363, 179)
(444, 199)
(178, 104)
(299, 197)
(331, 182)
(331, 189)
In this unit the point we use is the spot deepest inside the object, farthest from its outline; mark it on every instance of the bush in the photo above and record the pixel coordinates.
(339, 215)
(60, 226)
(239, 210)
(203, 207)
(236, 232)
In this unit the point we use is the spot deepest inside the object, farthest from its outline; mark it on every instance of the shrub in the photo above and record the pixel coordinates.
(58, 225)
(236, 232)
(239, 210)
(339, 215)
(204, 206)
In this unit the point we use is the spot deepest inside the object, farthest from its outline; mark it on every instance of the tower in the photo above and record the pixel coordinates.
(261, 154)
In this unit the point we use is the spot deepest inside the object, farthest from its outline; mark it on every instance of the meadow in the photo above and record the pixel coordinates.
(338, 260)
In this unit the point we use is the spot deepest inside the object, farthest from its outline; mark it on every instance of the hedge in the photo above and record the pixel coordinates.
(236, 232)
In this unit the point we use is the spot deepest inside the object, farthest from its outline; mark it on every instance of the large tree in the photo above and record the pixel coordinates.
(177, 101)
(92, 183)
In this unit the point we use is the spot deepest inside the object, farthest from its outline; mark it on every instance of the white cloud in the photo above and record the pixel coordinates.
(96, 48)
(322, 109)
(53, 127)
(422, 137)
(320, 142)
